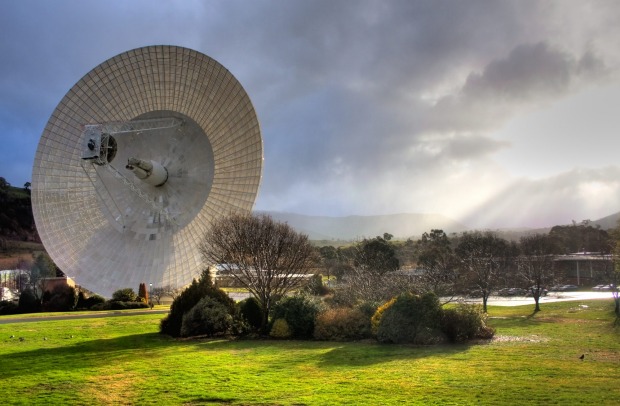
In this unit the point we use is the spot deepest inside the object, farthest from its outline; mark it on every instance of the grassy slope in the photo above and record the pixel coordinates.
(122, 360)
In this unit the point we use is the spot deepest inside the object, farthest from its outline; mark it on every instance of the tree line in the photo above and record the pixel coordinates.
(470, 263)
(374, 297)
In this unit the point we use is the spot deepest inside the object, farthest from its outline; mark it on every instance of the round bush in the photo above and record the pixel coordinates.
(209, 317)
(299, 313)
(280, 329)
(197, 290)
(28, 302)
(99, 307)
(368, 308)
(60, 299)
(124, 295)
(115, 305)
(465, 322)
(93, 300)
(342, 324)
(409, 319)
(7, 307)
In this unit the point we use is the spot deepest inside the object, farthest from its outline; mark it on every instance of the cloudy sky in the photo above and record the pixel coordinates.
(493, 113)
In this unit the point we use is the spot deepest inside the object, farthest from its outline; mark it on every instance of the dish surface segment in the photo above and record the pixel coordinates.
(102, 225)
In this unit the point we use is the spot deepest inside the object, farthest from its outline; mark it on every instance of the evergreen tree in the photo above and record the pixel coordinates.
(197, 290)
(143, 294)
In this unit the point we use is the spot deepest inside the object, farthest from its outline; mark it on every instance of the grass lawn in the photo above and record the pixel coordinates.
(123, 360)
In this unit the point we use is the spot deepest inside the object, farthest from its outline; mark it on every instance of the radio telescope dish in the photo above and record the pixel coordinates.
(137, 160)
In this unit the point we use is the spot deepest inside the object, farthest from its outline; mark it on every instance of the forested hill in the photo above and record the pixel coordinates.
(16, 220)
(608, 222)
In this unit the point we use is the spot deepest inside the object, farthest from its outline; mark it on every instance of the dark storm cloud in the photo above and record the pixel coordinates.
(349, 77)
(364, 105)
(531, 74)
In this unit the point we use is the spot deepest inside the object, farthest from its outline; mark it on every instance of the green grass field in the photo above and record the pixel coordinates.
(123, 360)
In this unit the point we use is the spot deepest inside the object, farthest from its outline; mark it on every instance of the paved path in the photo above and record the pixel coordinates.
(93, 315)
(551, 297)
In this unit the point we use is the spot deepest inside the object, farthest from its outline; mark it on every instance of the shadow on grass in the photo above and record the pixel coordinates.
(336, 354)
(515, 322)
(86, 354)
(352, 355)
(99, 353)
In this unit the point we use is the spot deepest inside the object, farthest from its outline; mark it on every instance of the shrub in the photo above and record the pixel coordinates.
(86, 302)
(251, 312)
(280, 329)
(342, 324)
(465, 322)
(376, 318)
(93, 300)
(81, 301)
(208, 317)
(315, 286)
(98, 307)
(60, 299)
(8, 307)
(409, 319)
(28, 302)
(197, 290)
(124, 295)
(116, 305)
(299, 313)
(368, 308)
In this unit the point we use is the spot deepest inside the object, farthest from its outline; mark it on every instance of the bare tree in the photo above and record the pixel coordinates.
(42, 268)
(482, 257)
(268, 258)
(438, 263)
(158, 292)
(362, 285)
(173, 291)
(535, 263)
(372, 273)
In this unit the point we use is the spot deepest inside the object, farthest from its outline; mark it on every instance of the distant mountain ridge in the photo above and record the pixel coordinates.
(401, 226)
(608, 222)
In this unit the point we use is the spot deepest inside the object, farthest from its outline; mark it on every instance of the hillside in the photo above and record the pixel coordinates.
(16, 219)
(402, 226)
(18, 237)
(608, 222)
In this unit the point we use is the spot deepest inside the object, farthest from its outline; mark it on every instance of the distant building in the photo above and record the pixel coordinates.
(49, 284)
(584, 268)
(13, 279)
(8, 294)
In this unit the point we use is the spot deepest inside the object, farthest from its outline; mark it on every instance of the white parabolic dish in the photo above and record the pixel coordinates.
(170, 106)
